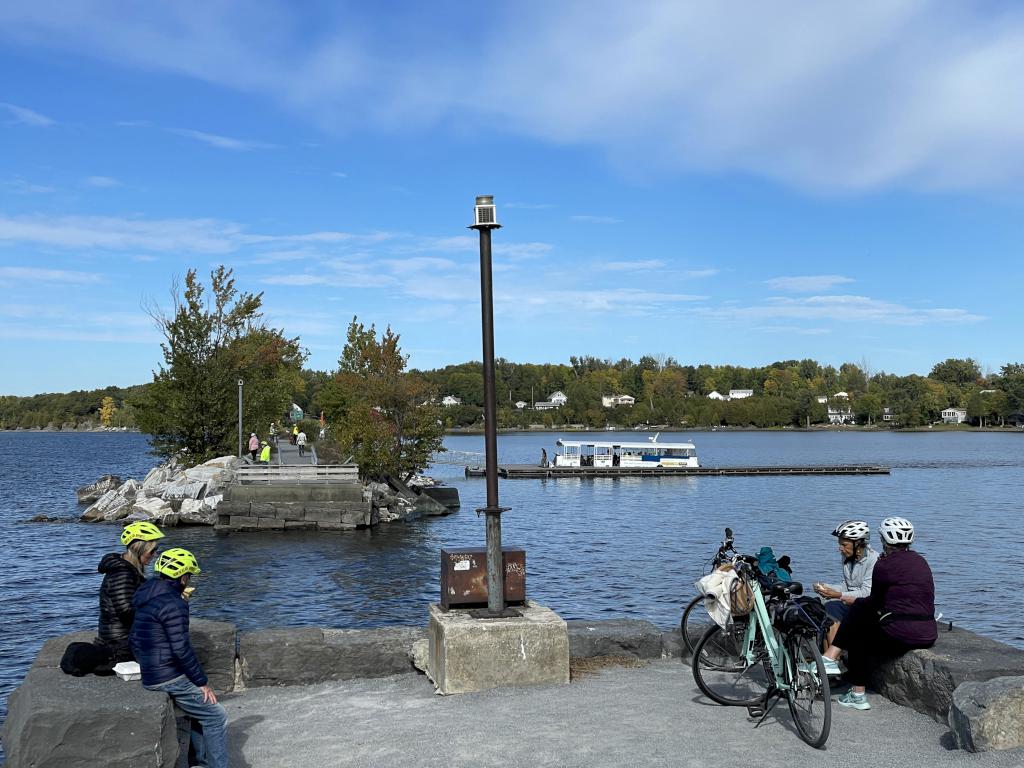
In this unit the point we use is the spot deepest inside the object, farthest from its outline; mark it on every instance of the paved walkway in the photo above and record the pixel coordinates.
(653, 716)
(290, 453)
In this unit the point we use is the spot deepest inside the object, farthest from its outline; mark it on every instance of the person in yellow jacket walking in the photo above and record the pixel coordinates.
(265, 453)
(295, 434)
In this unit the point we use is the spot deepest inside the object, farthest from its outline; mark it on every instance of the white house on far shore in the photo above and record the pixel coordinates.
(739, 394)
(610, 401)
(520, 404)
(715, 395)
(954, 416)
(449, 400)
(556, 400)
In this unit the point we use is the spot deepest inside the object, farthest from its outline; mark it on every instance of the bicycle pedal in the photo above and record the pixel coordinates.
(756, 711)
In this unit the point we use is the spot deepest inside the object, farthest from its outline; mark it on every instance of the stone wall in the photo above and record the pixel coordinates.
(340, 507)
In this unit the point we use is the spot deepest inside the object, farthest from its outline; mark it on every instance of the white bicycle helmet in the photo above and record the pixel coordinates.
(897, 530)
(854, 530)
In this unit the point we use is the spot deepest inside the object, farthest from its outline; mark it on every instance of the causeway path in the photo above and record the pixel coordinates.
(290, 453)
(651, 716)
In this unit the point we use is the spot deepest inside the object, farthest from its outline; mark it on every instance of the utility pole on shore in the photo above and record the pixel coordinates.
(241, 382)
(484, 220)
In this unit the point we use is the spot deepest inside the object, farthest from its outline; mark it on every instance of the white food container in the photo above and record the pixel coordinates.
(128, 670)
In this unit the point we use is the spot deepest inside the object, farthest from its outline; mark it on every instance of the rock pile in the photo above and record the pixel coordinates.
(169, 495)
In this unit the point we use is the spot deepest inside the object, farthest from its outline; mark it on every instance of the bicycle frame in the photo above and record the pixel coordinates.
(760, 620)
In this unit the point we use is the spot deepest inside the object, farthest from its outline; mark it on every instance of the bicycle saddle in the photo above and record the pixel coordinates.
(786, 589)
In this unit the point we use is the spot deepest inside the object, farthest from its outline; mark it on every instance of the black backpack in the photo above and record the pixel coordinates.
(87, 658)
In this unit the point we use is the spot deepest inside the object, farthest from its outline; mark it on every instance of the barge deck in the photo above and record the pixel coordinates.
(525, 471)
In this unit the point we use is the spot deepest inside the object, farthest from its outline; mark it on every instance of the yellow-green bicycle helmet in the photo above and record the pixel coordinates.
(176, 563)
(140, 531)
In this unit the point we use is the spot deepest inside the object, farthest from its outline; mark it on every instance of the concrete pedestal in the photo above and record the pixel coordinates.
(469, 654)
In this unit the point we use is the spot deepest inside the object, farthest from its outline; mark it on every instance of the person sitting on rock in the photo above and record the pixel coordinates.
(858, 564)
(897, 616)
(123, 573)
(161, 644)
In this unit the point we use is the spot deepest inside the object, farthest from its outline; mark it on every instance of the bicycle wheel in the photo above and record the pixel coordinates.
(721, 671)
(694, 624)
(809, 696)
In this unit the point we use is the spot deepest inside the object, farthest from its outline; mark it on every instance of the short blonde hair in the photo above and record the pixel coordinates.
(136, 551)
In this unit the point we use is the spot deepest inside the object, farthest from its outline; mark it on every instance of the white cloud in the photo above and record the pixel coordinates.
(222, 142)
(807, 283)
(528, 206)
(27, 116)
(22, 187)
(340, 174)
(699, 273)
(633, 266)
(833, 96)
(21, 275)
(101, 182)
(845, 309)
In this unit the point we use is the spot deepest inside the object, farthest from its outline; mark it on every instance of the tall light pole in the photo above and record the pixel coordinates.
(240, 383)
(485, 219)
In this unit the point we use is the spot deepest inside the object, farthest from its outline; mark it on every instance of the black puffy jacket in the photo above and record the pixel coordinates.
(120, 580)
(159, 637)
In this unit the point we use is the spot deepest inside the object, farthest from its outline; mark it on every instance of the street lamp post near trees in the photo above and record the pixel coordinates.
(484, 220)
(241, 382)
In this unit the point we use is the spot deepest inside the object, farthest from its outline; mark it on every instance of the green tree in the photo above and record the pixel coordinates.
(957, 372)
(210, 341)
(381, 413)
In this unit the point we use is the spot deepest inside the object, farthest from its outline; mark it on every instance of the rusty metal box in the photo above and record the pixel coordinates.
(464, 576)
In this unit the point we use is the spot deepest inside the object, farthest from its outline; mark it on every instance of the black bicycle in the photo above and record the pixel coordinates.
(696, 621)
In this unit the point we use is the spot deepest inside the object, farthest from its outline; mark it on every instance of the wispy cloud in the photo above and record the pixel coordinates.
(641, 265)
(222, 142)
(585, 218)
(700, 273)
(37, 275)
(807, 283)
(22, 187)
(529, 206)
(842, 309)
(27, 116)
(101, 182)
(339, 174)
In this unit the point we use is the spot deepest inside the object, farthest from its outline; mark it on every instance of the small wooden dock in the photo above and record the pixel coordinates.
(524, 471)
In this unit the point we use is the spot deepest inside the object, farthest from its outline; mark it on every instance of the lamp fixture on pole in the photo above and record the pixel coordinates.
(485, 219)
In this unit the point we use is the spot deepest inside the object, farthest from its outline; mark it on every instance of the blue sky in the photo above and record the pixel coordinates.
(724, 183)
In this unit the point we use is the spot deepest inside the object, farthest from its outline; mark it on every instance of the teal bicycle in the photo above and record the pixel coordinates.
(766, 655)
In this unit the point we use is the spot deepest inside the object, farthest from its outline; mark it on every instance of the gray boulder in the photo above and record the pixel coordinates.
(308, 655)
(183, 489)
(925, 679)
(58, 721)
(195, 512)
(988, 715)
(424, 505)
(90, 493)
(113, 505)
(156, 510)
(614, 637)
(215, 643)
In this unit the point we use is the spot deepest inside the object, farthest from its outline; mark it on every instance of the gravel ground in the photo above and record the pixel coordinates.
(651, 716)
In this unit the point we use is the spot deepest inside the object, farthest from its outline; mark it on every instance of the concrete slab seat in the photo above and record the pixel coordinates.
(55, 720)
(616, 637)
(925, 680)
(307, 655)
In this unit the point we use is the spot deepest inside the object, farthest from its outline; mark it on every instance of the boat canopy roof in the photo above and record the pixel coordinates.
(648, 445)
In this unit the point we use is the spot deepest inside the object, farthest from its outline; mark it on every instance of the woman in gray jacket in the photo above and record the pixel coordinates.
(858, 562)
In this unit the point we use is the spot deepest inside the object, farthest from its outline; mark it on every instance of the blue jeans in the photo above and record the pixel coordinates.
(837, 610)
(212, 745)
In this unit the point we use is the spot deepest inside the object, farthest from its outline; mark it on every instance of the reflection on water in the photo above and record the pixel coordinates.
(595, 548)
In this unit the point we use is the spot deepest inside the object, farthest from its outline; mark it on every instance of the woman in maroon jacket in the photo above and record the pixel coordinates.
(897, 616)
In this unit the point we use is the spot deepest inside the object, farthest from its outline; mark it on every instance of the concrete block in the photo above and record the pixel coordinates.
(270, 523)
(215, 643)
(469, 654)
(324, 526)
(988, 715)
(59, 721)
(243, 522)
(299, 525)
(318, 514)
(290, 510)
(262, 509)
(336, 492)
(303, 656)
(614, 637)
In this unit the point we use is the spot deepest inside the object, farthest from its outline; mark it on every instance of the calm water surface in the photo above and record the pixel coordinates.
(629, 547)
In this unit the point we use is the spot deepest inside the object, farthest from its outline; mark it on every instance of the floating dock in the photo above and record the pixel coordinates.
(524, 471)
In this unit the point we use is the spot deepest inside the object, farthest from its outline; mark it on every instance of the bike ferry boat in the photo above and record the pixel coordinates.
(579, 453)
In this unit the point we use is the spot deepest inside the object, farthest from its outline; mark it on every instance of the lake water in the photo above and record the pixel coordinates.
(627, 547)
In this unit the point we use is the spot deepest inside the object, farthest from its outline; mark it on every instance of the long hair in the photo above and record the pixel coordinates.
(136, 551)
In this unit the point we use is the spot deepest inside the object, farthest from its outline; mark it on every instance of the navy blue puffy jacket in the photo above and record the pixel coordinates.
(159, 637)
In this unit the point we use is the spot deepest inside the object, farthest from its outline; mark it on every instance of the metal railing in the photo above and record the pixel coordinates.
(298, 473)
